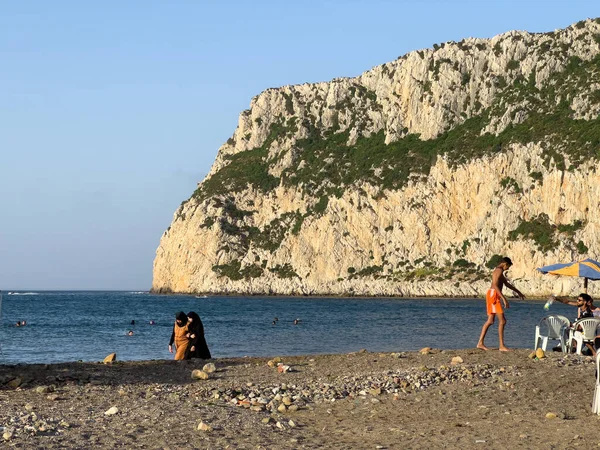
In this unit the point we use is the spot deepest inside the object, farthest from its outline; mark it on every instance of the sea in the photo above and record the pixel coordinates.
(87, 326)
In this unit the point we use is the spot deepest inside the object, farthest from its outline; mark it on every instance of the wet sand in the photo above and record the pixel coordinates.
(357, 400)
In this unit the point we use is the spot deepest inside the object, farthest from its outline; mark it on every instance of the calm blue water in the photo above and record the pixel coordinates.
(70, 326)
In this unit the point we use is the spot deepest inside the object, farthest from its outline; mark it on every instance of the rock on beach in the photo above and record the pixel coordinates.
(209, 368)
(199, 375)
(110, 358)
(111, 411)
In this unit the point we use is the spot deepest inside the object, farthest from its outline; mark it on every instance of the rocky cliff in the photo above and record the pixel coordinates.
(409, 180)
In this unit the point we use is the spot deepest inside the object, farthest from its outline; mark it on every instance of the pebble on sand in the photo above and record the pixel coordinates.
(15, 383)
(111, 411)
(456, 360)
(209, 368)
(282, 368)
(204, 427)
(43, 389)
(199, 375)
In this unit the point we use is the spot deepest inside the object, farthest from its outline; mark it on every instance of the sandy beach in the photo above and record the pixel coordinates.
(357, 400)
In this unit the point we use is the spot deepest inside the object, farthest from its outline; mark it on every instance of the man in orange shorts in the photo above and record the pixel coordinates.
(494, 300)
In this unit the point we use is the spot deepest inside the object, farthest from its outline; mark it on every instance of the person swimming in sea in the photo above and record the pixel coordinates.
(130, 333)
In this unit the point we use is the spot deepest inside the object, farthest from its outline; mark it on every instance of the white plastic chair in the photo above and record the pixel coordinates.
(596, 399)
(551, 327)
(584, 330)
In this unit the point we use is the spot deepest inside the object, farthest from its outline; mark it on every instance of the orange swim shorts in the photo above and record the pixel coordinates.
(493, 302)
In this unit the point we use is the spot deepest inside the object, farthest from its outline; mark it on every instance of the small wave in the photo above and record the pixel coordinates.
(23, 293)
(138, 292)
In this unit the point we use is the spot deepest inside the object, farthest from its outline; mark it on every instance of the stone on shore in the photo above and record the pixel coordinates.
(282, 368)
(110, 358)
(15, 383)
(204, 427)
(199, 375)
(43, 389)
(209, 368)
(111, 411)
(539, 353)
(456, 360)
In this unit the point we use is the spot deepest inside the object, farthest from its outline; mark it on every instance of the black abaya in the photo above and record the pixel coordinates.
(197, 341)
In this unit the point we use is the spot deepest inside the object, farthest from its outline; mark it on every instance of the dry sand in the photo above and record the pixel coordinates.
(359, 400)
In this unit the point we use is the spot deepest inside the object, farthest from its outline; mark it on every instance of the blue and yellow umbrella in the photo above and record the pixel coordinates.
(588, 269)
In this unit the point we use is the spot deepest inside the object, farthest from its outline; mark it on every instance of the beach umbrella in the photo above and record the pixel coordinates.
(588, 269)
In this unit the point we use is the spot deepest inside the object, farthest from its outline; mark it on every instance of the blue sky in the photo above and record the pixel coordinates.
(111, 112)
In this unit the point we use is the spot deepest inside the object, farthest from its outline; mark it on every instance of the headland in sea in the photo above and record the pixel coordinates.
(431, 399)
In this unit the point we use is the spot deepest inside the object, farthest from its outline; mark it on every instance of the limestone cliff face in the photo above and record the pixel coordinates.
(408, 180)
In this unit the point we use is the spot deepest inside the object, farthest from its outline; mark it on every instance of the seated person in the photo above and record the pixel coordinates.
(584, 303)
(585, 309)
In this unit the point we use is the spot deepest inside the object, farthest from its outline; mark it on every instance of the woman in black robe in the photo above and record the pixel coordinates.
(197, 347)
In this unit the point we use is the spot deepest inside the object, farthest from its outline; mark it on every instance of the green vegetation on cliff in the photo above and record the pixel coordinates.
(330, 165)
(546, 235)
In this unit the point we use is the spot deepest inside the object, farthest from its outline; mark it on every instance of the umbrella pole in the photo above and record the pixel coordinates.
(585, 280)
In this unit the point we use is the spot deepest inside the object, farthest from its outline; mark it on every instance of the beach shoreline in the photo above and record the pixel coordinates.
(348, 296)
(441, 398)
